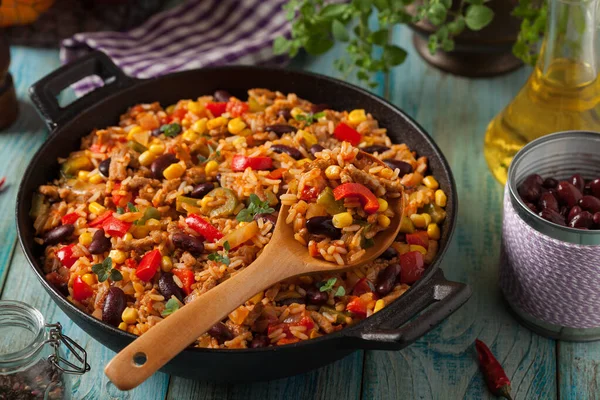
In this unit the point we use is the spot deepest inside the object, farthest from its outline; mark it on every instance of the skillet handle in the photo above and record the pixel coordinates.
(43, 93)
(438, 297)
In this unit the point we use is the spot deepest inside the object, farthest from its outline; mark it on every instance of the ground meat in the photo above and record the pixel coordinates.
(141, 245)
(322, 322)
(195, 175)
(138, 181)
(254, 314)
(118, 164)
(50, 192)
(366, 179)
(188, 260)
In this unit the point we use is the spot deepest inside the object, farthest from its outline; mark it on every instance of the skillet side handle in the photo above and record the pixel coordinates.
(439, 298)
(43, 93)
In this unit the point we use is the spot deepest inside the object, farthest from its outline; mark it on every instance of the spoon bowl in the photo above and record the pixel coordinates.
(283, 257)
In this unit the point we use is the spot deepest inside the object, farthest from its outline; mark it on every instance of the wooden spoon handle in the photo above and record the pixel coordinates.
(168, 338)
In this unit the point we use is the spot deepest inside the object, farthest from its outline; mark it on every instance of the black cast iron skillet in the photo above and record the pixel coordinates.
(433, 296)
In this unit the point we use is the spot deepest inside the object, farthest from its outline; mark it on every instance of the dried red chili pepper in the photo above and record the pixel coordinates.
(2, 181)
(495, 377)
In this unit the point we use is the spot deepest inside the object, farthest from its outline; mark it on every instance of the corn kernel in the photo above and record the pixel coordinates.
(333, 172)
(239, 141)
(309, 138)
(440, 198)
(383, 205)
(383, 220)
(257, 298)
(195, 107)
(96, 208)
(83, 175)
(118, 256)
(236, 125)
(357, 116)
(300, 163)
(401, 248)
(246, 132)
(433, 231)
(90, 279)
(157, 148)
(174, 171)
(127, 237)
(140, 231)
(133, 131)
(153, 224)
(431, 182)
(387, 173)
(296, 111)
(200, 126)
(205, 200)
(379, 304)
(146, 158)
(123, 326)
(216, 122)
(420, 249)
(342, 220)
(95, 179)
(427, 218)
(418, 220)
(170, 109)
(166, 264)
(190, 135)
(129, 315)
(85, 239)
(211, 166)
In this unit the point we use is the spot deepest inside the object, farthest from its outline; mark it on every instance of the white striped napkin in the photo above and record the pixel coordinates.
(196, 33)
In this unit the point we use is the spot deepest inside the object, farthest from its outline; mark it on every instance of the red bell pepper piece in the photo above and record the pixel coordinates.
(366, 197)
(148, 265)
(237, 108)
(413, 267)
(120, 200)
(276, 174)
(203, 227)
(69, 218)
(285, 327)
(65, 255)
(240, 163)
(420, 238)
(81, 290)
(309, 192)
(186, 276)
(116, 227)
(357, 307)
(345, 133)
(99, 220)
(286, 340)
(305, 321)
(217, 108)
(131, 263)
(362, 286)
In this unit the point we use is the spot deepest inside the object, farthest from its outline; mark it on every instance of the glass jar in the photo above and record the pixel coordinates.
(31, 365)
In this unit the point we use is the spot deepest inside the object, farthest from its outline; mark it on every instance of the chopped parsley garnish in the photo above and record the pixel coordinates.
(120, 210)
(131, 207)
(105, 271)
(222, 258)
(340, 292)
(171, 130)
(255, 206)
(310, 117)
(171, 306)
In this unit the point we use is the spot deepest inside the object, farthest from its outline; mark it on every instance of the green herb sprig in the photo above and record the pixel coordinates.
(327, 286)
(222, 258)
(316, 26)
(171, 306)
(310, 117)
(171, 130)
(534, 14)
(212, 154)
(255, 206)
(105, 270)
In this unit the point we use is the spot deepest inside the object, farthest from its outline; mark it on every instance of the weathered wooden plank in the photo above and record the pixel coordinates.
(455, 111)
(579, 370)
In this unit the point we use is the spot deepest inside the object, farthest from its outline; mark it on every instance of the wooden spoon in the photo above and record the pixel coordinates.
(284, 257)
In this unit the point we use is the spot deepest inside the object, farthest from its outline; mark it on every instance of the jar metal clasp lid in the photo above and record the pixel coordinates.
(55, 339)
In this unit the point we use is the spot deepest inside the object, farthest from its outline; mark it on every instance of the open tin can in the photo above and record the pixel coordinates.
(550, 274)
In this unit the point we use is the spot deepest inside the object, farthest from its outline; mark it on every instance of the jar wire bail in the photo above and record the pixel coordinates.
(55, 339)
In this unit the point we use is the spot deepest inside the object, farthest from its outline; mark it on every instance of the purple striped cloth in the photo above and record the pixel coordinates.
(194, 34)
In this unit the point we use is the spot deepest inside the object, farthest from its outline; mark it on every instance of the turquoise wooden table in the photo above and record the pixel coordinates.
(441, 365)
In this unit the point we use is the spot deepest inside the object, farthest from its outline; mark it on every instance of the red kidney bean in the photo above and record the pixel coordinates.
(220, 332)
(315, 296)
(268, 217)
(389, 253)
(316, 148)
(532, 207)
(317, 108)
(578, 182)
(597, 219)
(100, 243)
(63, 288)
(259, 341)
(290, 151)
(323, 226)
(552, 216)
(221, 96)
(58, 234)
(188, 243)
(104, 167)
(574, 211)
(387, 279)
(595, 187)
(547, 200)
(404, 167)
(280, 129)
(168, 288)
(568, 194)
(531, 188)
(201, 190)
(550, 183)
(161, 163)
(285, 113)
(114, 304)
(376, 148)
(590, 203)
(564, 211)
(584, 220)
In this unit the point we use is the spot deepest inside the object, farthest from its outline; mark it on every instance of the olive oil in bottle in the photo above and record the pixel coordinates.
(562, 93)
